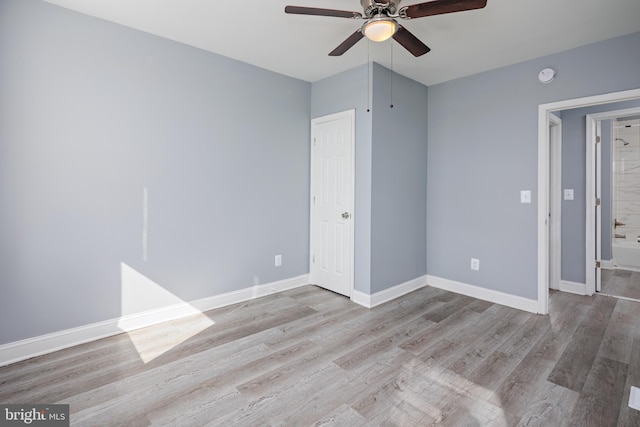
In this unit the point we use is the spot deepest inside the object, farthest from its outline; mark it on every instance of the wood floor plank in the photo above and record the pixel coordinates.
(445, 396)
(375, 350)
(421, 342)
(620, 333)
(515, 393)
(504, 323)
(310, 357)
(551, 405)
(405, 407)
(461, 340)
(622, 283)
(343, 416)
(574, 365)
(449, 308)
(501, 363)
(599, 402)
(348, 387)
(630, 417)
(169, 386)
(71, 380)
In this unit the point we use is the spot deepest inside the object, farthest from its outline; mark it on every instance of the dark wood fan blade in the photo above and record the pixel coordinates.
(410, 42)
(439, 7)
(299, 10)
(347, 44)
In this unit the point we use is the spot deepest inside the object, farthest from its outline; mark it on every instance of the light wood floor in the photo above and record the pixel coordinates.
(621, 283)
(310, 357)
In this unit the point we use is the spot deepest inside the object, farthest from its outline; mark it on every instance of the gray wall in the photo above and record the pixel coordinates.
(390, 194)
(482, 150)
(399, 175)
(573, 176)
(90, 113)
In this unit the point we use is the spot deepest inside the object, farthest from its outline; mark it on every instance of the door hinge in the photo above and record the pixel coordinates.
(313, 259)
(597, 139)
(314, 141)
(314, 200)
(597, 201)
(597, 264)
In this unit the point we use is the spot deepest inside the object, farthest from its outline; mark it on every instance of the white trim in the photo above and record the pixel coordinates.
(351, 115)
(555, 200)
(598, 209)
(543, 204)
(249, 293)
(389, 294)
(573, 287)
(627, 268)
(543, 179)
(485, 294)
(590, 205)
(593, 217)
(607, 264)
(36, 346)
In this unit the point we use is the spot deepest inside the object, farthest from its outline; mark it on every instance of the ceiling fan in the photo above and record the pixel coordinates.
(381, 21)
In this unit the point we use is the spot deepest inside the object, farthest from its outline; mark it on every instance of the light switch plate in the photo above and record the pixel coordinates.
(568, 193)
(634, 398)
(525, 196)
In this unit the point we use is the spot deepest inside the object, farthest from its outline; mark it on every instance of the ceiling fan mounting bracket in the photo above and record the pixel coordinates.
(373, 7)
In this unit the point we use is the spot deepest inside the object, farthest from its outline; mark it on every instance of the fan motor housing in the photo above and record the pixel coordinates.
(372, 7)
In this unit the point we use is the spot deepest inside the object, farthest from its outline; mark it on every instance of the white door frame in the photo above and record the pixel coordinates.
(555, 197)
(543, 179)
(351, 116)
(594, 240)
(594, 168)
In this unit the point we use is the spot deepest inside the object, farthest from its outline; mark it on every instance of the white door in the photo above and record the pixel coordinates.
(332, 201)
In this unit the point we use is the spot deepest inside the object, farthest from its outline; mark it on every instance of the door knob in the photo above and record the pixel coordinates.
(346, 215)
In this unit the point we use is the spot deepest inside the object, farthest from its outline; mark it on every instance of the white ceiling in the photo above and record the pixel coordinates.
(260, 33)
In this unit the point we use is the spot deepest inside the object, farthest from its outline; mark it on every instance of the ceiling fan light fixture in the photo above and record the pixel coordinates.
(379, 28)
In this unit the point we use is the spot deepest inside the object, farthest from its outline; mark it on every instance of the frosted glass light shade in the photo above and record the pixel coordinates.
(379, 29)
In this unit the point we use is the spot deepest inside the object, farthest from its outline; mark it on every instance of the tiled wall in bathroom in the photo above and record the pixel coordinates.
(626, 178)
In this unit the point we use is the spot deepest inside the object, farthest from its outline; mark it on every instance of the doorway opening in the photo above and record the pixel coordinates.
(544, 178)
(618, 181)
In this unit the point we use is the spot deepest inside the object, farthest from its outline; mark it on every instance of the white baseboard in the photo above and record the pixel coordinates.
(497, 297)
(573, 287)
(386, 295)
(607, 264)
(36, 346)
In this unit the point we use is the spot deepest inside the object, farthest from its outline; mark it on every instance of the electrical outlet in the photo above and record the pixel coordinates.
(278, 261)
(475, 264)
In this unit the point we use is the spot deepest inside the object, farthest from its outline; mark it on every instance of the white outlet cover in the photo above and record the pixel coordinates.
(568, 193)
(634, 398)
(475, 264)
(525, 196)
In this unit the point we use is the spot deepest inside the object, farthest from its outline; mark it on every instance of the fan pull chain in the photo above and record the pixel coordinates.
(391, 84)
(368, 75)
